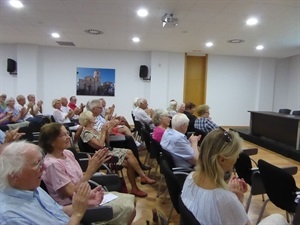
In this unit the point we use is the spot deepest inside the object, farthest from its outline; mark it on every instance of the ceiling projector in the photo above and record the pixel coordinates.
(169, 21)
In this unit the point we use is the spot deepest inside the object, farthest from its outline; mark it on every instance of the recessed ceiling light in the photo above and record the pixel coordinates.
(235, 41)
(136, 39)
(16, 3)
(93, 31)
(55, 35)
(209, 44)
(259, 47)
(251, 21)
(142, 12)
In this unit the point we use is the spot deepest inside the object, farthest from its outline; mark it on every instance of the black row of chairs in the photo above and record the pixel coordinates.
(288, 112)
(265, 178)
(277, 183)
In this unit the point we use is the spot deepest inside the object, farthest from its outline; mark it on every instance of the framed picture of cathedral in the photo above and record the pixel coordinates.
(95, 81)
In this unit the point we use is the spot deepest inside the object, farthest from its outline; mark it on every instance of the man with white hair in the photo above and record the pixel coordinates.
(143, 114)
(22, 200)
(184, 151)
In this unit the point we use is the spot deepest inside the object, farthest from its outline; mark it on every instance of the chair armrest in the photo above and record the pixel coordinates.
(113, 137)
(250, 151)
(95, 214)
(290, 169)
(112, 182)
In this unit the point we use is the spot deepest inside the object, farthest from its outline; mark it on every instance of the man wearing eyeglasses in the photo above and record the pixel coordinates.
(204, 122)
(184, 151)
(23, 201)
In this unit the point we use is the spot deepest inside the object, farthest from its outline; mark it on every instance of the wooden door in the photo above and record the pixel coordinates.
(195, 79)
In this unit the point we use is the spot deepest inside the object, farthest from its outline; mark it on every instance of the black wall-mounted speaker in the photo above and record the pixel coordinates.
(143, 71)
(11, 66)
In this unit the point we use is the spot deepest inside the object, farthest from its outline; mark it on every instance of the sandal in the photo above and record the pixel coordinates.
(139, 193)
(147, 180)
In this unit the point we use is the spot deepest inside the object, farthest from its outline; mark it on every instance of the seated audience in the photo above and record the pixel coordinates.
(189, 112)
(23, 201)
(37, 108)
(205, 193)
(96, 140)
(62, 117)
(180, 108)
(161, 120)
(143, 113)
(16, 114)
(172, 108)
(2, 104)
(204, 122)
(63, 174)
(184, 151)
(22, 104)
(108, 115)
(72, 105)
(95, 106)
(65, 109)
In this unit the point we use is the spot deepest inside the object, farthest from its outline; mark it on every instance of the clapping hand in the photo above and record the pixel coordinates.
(100, 157)
(238, 186)
(96, 196)
(12, 135)
(80, 199)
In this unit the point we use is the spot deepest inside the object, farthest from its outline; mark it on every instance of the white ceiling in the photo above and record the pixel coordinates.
(199, 21)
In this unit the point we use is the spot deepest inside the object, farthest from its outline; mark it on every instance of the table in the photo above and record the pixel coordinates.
(276, 126)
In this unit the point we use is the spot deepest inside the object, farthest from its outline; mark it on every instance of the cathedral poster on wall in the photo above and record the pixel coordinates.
(95, 81)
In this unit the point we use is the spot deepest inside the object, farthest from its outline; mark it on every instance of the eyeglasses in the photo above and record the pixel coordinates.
(227, 136)
(39, 164)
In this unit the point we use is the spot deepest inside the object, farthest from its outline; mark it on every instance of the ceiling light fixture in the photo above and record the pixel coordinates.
(259, 47)
(251, 21)
(235, 41)
(55, 35)
(93, 31)
(169, 21)
(142, 13)
(16, 4)
(209, 44)
(136, 39)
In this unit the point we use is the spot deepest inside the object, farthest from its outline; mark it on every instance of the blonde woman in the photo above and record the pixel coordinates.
(205, 193)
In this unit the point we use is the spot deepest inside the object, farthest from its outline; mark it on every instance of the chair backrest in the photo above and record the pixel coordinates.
(285, 111)
(243, 167)
(85, 147)
(186, 217)
(296, 113)
(138, 126)
(173, 183)
(169, 158)
(280, 186)
(155, 149)
(202, 133)
(146, 137)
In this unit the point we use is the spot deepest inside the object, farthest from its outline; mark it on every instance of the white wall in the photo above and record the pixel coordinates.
(287, 84)
(50, 72)
(234, 84)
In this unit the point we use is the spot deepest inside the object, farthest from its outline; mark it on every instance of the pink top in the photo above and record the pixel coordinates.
(60, 172)
(158, 133)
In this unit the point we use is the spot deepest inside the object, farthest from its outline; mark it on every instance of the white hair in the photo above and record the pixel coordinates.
(13, 159)
(94, 103)
(178, 120)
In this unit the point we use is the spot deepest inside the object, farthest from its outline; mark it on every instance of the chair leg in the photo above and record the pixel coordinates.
(169, 217)
(159, 186)
(146, 157)
(262, 211)
(248, 203)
